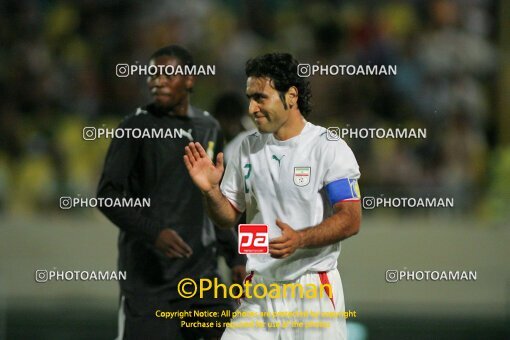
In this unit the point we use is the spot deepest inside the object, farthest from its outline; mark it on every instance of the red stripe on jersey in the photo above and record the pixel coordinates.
(323, 276)
(351, 200)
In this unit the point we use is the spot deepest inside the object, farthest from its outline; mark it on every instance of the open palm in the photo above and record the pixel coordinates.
(203, 172)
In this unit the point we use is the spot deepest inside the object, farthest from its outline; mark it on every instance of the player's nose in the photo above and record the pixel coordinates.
(159, 80)
(254, 107)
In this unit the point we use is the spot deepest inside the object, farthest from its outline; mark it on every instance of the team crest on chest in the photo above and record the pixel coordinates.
(302, 175)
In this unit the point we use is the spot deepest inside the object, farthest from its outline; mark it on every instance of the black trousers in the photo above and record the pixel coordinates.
(138, 320)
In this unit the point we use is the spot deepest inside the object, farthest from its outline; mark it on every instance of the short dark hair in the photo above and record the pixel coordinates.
(281, 68)
(176, 51)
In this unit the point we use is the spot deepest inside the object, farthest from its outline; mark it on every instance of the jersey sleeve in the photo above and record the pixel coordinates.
(342, 173)
(232, 184)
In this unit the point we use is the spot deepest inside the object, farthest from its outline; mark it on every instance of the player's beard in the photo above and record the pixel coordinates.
(264, 125)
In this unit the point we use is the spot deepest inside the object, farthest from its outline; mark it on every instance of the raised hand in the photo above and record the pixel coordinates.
(203, 172)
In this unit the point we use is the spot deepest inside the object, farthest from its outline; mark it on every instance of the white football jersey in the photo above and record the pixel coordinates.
(296, 181)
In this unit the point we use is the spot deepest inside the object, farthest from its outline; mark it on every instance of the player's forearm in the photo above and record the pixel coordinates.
(126, 218)
(219, 209)
(341, 225)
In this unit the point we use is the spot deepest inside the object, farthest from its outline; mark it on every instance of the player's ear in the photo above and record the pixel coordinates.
(291, 96)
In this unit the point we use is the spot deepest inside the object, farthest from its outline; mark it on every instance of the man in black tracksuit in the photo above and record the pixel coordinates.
(173, 238)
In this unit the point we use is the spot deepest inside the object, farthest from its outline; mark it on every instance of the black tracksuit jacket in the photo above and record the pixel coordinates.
(154, 168)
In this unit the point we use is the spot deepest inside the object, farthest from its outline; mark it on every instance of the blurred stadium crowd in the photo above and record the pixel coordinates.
(58, 75)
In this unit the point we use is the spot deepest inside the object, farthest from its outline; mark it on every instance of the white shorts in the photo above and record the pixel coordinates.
(292, 327)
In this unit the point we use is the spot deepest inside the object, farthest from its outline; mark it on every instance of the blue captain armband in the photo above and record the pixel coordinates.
(344, 189)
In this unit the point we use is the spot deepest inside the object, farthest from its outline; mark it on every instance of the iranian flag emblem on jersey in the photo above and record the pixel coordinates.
(302, 176)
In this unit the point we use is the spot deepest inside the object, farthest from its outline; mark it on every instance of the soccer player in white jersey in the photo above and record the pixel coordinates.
(291, 177)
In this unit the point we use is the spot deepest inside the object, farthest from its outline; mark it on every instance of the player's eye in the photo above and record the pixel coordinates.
(162, 77)
(258, 98)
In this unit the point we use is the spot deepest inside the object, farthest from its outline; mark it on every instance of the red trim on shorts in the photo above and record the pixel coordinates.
(323, 276)
(248, 278)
